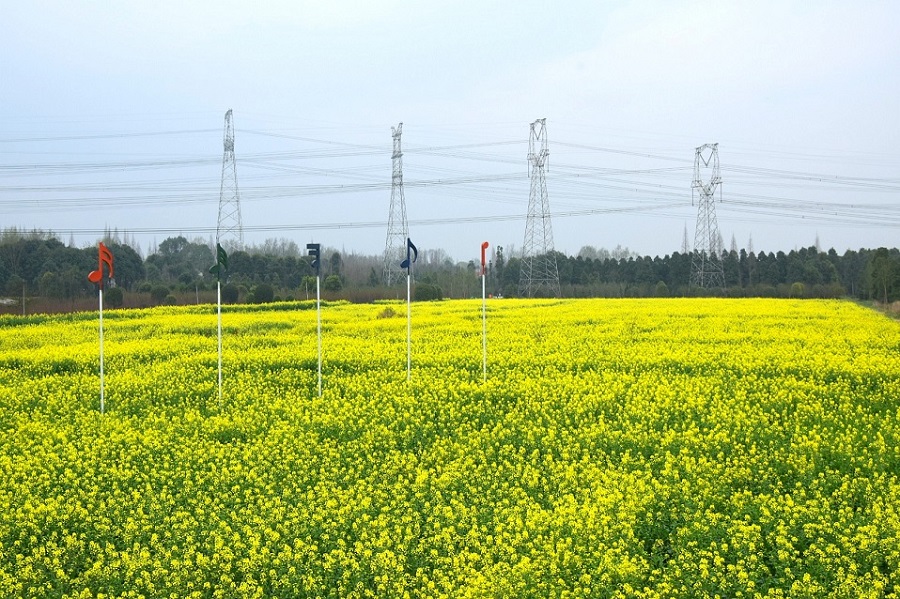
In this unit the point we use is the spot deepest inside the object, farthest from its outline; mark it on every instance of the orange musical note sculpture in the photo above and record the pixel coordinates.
(104, 257)
(96, 276)
(484, 247)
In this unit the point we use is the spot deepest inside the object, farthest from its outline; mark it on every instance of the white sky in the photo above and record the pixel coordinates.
(111, 115)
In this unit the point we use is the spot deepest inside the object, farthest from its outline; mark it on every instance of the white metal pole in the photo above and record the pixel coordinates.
(219, 311)
(408, 331)
(483, 328)
(102, 385)
(319, 331)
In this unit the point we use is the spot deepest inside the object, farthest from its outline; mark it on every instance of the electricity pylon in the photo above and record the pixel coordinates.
(539, 275)
(229, 230)
(398, 231)
(706, 261)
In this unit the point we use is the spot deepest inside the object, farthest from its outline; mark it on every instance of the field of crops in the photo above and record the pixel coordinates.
(635, 448)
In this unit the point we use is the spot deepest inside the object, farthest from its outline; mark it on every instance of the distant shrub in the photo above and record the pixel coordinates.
(333, 283)
(230, 293)
(171, 300)
(262, 294)
(427, 292)
(387, 313)
(158, 294)
(114, 297)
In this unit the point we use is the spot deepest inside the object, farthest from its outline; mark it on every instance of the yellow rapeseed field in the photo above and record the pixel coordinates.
(633, 448)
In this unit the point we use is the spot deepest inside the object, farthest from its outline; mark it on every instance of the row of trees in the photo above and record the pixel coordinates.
(38, 265)
(807, 272)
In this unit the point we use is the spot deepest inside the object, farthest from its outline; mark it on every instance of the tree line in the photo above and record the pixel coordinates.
(38, 267)
(870, 274)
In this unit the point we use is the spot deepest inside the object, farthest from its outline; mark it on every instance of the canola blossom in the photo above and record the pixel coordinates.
(633, 448)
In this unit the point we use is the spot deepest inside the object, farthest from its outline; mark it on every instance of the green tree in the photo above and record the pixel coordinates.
(427, 292)
(853, 271)
(114, 297)
(335, 264)
(158, 294)
(128, 266)
(262, 294)
(14, 285)
(49, 285)
(498, 270)
(509, 280)
(309, 286)
(230, 293)
(172, 247)
(180, 259)
(883, 274)
(374, 279)
(240, 266)
(732, 269)
(333, 283)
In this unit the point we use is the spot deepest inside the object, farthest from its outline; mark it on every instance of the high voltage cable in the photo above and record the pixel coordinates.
(271, 162)
(824, 218)
(272, 192)
(105, 136)
(381, 149)
(576, 179)
(368, 224)
(621, 152)
(879, 183)
(571, 182)
(374, 148)
(888, 184)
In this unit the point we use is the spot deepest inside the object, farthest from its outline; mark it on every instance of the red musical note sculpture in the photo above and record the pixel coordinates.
(104, 257)
(484, 247)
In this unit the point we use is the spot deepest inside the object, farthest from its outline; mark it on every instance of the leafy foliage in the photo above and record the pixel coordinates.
(39, 264)
(114, 297)
(230, 293)
(427, 292)
(262, 294)
(332, 283)
(159, 293)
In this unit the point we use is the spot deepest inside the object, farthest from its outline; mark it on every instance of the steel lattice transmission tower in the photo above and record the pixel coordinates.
(706, 261)
(398, 231)
(539, 275)
(230, 230)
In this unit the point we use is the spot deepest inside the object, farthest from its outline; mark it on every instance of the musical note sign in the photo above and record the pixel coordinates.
(412, 253)
(104, 257)
(220, 268)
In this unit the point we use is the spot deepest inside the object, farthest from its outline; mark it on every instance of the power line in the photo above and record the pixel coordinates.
(368, 224)
(105, 136)
(574, 184)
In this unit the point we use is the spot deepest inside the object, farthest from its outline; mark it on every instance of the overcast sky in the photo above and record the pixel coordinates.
(112, 114)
